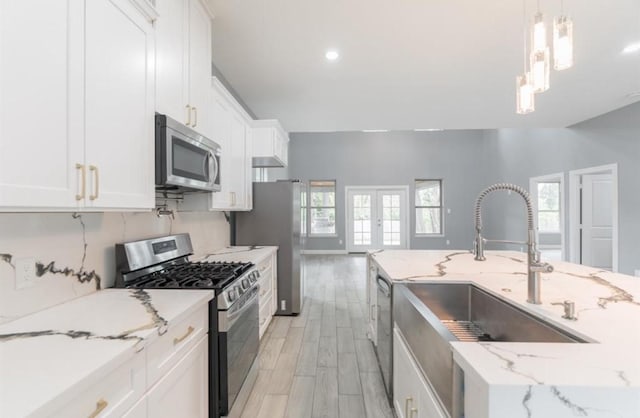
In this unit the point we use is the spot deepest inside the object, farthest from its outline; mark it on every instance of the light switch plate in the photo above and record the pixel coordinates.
(25, 272)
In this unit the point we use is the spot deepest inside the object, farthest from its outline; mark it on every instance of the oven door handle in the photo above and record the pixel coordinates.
(226, 319)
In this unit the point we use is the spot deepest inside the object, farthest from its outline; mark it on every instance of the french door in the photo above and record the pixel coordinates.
(376, 218)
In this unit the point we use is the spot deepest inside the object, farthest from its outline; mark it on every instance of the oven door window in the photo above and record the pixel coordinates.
(189, 161)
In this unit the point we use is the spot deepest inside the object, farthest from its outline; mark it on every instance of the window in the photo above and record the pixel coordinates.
(303, 212)
(549, 207)
(428, 207)
(322, 207)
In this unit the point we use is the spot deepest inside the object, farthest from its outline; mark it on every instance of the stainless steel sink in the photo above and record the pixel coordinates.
(432, 315)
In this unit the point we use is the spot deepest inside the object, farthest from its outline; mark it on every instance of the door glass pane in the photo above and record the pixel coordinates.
(361, 219)
(391, 219)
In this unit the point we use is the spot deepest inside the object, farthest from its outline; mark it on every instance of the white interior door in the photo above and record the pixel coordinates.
(376, 219)
(597, 221)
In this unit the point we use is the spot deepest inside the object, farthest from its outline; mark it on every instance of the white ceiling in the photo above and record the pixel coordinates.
(408, 64)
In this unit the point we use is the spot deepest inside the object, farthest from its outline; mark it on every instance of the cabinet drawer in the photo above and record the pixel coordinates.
(264, 265)
(265, 290)
(113, 396)
(165, 352)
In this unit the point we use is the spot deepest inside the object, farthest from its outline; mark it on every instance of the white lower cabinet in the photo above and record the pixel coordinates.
(268, 296)
(113, 395)
(183, 391)
(412, 396)
(169, 378)
(372, 299)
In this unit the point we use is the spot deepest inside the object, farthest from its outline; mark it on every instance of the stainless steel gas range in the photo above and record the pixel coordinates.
(163, 263)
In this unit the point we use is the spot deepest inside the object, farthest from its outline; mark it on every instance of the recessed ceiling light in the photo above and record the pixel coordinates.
(374, 130)
(332, 55)
(428, 129)
(631, 48)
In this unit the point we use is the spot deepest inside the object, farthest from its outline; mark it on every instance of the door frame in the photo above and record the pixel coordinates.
(533, 191)
(575, 177)
(348, 226)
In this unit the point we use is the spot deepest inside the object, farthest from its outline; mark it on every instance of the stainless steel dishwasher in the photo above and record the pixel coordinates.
(384, 347)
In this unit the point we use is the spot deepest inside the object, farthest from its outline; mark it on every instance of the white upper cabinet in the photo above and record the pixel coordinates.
(40, 104)
(270, 144)
(76, 106)
(231, 129)
(183, 33)
(119, 99)
(232, 132)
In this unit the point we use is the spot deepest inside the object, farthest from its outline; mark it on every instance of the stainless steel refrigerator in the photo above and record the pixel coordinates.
(276, 220)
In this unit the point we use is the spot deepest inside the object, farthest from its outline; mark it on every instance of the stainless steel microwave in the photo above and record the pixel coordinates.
(185, 159)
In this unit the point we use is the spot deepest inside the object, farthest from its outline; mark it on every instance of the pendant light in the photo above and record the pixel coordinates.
(539, 59)
(525, 99)
(562, 41)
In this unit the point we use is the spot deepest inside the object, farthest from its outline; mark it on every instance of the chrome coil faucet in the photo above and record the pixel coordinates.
(534, 265)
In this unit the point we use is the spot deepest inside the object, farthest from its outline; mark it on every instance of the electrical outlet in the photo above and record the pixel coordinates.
(637, 272)
(448, 211)
(25, 272)
(340, 242)
(448, 242)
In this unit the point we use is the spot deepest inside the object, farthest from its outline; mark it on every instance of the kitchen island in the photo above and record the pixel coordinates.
(506, 379)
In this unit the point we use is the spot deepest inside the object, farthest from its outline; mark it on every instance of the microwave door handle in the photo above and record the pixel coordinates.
(213, 167)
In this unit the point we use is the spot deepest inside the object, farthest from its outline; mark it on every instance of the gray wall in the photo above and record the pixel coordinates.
(395, 158)
(468, 161)
(521, 154)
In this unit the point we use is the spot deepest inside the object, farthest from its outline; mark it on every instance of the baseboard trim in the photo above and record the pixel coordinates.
(310, 252)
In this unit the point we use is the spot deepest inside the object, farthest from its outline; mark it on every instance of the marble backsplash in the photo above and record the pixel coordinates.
(74, 252)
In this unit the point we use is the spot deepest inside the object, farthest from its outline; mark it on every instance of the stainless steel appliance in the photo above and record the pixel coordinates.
(275, 220)
(185, 159)
(162, 263)
(384, 347)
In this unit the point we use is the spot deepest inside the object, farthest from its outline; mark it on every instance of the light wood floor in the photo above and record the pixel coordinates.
(320, 363)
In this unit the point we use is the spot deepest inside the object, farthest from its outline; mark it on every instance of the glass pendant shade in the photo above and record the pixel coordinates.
(562, 43)
(539, 66)
(538, 33)
(525, 99)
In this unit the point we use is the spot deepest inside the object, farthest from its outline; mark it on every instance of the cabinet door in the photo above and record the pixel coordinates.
(248, 169)
(172, 59)
(221, 134)
(200, 67)
(238, 161)
(41, 82)
(119, 106)
(183, 391)
(405, 380)
(372, 314)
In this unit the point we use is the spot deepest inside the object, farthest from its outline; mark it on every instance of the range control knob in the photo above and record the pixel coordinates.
(245, 283)
(232, 295)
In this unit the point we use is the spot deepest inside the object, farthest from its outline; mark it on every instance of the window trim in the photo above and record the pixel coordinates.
(310, 233)
(416, 207)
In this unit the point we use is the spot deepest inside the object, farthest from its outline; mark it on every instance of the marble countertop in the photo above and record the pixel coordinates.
(253, 254)
(62, 350)
(594, 379)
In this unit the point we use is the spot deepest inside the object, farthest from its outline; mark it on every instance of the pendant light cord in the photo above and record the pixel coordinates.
(524, 37)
